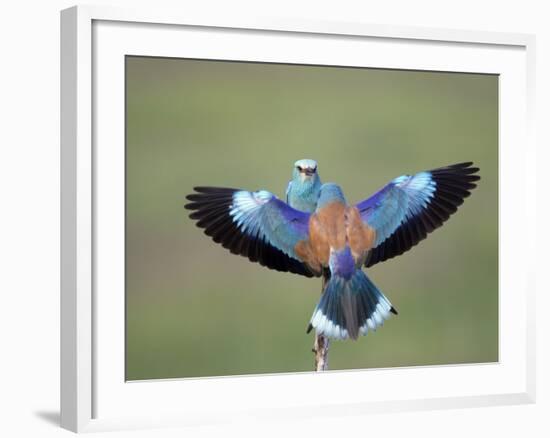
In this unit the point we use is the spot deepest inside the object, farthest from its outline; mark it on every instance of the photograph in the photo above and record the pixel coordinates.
(285, 218)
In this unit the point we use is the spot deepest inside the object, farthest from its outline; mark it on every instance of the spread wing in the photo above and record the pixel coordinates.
(256, 225)
(403, 212)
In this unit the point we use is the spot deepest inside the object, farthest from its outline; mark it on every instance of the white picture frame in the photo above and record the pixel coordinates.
(93, 395)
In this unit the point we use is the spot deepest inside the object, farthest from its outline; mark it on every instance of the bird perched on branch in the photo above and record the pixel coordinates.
(334, 239)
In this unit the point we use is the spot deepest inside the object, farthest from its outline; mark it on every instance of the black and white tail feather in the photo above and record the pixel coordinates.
(351, 305)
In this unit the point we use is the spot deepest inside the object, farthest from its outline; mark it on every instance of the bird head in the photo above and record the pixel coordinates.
(305, 171)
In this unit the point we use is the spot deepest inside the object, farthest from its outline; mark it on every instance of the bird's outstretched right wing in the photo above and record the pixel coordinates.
(408, 208)
(256, 225)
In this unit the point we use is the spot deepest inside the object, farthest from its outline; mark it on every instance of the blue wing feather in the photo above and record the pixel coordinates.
(401, 199)
(408, 208)
(256, 225)
(263, 215)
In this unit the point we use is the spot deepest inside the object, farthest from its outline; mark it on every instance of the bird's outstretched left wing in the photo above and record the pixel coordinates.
(408, 208)
(256, 225)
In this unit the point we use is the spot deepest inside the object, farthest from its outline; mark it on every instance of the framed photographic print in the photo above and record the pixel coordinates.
(252, 209)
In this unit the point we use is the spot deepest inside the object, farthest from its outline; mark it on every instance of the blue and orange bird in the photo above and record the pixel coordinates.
(335, 240)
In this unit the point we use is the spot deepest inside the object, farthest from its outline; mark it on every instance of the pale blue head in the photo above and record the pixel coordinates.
(303, 190)
(330, 192)
(305, 171)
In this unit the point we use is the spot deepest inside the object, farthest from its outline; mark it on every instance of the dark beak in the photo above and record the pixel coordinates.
(309, 171)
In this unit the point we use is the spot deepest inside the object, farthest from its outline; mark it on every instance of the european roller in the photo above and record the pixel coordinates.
(335, 239)
(303, 189)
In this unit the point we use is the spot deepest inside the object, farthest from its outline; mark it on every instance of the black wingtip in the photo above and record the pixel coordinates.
(463, 164)
(203, 189)
(211, 189)
(309, 328)
(392, 310)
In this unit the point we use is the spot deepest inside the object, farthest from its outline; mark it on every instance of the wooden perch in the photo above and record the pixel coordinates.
(320, 348)
(321, 345)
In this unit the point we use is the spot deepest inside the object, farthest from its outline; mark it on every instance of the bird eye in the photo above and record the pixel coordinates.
(299, 168)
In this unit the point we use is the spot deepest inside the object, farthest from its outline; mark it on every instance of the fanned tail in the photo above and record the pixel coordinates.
(351, 304)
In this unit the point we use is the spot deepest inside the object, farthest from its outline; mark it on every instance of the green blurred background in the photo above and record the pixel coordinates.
(194, 309)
